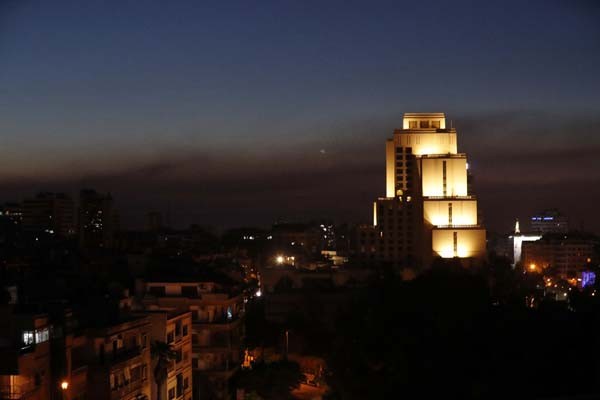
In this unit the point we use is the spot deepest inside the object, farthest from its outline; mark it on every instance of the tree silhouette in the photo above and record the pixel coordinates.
(163, 354)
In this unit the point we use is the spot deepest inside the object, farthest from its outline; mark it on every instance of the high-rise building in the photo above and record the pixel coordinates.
(428, 211)
(12, 211)
(154, 221)
(549, 221)
(52, 213)
(97, 219)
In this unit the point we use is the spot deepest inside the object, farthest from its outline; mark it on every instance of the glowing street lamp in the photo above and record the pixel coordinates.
(279, 260)
(64, 385)
(532, 267)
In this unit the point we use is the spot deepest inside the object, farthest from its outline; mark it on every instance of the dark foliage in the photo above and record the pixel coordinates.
(270, 380)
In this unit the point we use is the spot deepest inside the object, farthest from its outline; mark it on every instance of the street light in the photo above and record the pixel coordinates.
(532, 267)
(64, 385)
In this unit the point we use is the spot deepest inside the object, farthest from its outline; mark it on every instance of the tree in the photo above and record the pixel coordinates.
(163, 354)
(274, 380)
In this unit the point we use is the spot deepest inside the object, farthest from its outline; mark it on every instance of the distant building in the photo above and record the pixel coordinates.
(428, 211)
(97, 220)
(549, 221)
(567, 255)
(313, 237)
(52, 213)
(154, 221)
(364, 245)
(217, 329)
(13, 211)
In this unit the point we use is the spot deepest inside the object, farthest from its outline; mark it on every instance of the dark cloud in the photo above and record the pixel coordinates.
(522, 162)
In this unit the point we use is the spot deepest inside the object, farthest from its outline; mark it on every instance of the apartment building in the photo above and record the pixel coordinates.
(217, 312)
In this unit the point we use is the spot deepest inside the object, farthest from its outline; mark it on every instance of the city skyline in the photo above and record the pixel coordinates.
(237, 115)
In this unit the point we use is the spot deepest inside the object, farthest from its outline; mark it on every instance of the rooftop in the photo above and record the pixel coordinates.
(424, 115)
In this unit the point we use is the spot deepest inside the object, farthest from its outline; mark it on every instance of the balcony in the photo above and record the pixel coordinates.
(122, 391)
(222, 319)
(122, 355)
(448, 197)
(456, 226)
(17, 392)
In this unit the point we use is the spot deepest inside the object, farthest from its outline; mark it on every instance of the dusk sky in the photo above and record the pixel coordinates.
(237, 113)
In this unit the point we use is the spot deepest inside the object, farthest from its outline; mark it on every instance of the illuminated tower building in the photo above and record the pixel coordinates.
(427, 211)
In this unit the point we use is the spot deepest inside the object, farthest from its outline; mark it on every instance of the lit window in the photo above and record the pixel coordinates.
(27, 338)
(41, 335)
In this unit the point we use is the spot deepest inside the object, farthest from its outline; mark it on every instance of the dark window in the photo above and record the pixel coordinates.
(179, 385)
(408, 150)
(178, 328)
(185, 330)
(424, 124)
(158, 291)
(189, 291)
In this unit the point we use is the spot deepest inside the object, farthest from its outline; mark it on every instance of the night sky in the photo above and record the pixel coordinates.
(237, 113)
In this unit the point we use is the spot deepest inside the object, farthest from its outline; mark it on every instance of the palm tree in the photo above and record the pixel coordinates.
(164, 354)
